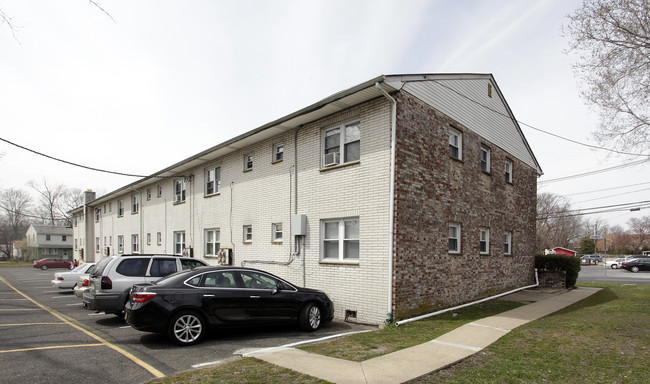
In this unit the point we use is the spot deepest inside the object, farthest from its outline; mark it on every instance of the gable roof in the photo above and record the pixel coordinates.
(45, 229)
(452, 94)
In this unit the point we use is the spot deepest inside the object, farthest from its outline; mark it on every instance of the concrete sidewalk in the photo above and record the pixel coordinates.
(410, 363)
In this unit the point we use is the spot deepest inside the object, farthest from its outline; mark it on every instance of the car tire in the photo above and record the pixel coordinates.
(186, 328)
(634, 269)
(310, 317)
(44, 267)
(614, 266)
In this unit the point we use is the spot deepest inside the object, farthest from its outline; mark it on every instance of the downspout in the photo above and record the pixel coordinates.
(391, 207)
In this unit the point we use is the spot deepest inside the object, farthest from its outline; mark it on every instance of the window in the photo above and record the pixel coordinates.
(341, 239)
(212, 242)
(257, 280)
(179, 242)
(159, 238)
(485, 159)
(104, 208)
(120, 244)
(135, 243)
(120, 208)
(135, 203)
(276, 229)
(148, 238)
(455, 144)
(148, 194)
(248, 233)
(342, 144)
(454, 238)
(97, 246)
(212, 180)
(64, 238)
(218, 280)
(248, 162)
(507, 243)
(179, 191)
(133, 267)
(110, 207)
(484, 240)
(278, 152)
(508, 170)
(159, 191)
(48, 238)
(76, 244)
(162, 267)
(97, 215)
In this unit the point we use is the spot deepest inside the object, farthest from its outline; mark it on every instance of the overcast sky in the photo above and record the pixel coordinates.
(159, 81)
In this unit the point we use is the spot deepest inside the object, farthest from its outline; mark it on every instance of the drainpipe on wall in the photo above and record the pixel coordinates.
(391, 208)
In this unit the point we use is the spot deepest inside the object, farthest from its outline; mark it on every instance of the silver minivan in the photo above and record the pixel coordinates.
(113, 277)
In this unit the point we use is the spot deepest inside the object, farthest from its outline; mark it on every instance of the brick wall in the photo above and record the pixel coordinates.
(433, 190)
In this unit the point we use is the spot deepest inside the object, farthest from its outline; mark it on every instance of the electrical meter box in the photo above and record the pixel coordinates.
(299, 225)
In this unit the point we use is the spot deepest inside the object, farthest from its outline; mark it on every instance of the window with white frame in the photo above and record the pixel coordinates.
(135, 243)
(97, 246)
(455, 144)
(342, 144)
(148, 238)
(120, 208)
(135, 204)
(120, 244)
(159, 238)
(454, 238)
(508, 171)
(248, 162)
(278, 152)
(97, 215)
(248, 233)
(159, 194)
(507, 243)
(340, 239)
(48, 237)
(110, 206)
(212, 180)
(484, 241)
(212, 242)
(148, 194)
(179, 190)
(179, 242)
(485, 159)
(276, 232)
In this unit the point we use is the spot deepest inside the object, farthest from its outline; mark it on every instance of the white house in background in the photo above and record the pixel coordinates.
(43, 240)
(397, 196)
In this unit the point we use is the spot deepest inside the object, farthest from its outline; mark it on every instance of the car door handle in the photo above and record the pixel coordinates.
(255, 297)
(208, 295)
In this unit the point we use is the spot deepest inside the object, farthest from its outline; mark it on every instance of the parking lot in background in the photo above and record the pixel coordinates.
(46, 336)
(601, 274)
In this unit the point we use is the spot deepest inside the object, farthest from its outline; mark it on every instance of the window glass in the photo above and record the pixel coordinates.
(189, 264)
(219, 280)
(162, 267)
(133, 267)
(256, 280)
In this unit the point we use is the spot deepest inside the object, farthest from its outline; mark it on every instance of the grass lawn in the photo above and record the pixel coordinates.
(15, 264)
(602, 339)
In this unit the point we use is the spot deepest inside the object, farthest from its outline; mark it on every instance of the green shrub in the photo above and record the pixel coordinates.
(570, 264)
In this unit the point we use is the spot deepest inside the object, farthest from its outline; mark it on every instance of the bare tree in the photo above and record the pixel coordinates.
(640, 228)
(612, 39)
(14, 205)
(55, 201)
(556, 226)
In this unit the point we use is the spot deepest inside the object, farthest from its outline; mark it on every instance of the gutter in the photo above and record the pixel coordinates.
(469, 304)
(391, 208)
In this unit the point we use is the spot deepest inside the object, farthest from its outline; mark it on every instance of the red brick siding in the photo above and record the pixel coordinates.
(433, 190)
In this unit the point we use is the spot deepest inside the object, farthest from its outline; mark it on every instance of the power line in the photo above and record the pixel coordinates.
(590, 173)
(605, 189)
(602, 209)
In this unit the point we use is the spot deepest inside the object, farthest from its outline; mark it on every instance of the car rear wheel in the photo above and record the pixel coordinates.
(310, 317)
(186, 328)
(43, 267)
(634, 269)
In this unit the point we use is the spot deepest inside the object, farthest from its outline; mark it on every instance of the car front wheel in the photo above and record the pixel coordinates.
(43, 267)
(614, 266)
(186, 328)
(634, 269)
(310, 317)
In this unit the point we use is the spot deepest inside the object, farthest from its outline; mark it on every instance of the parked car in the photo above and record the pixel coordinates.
(223, 297)
(591, 259)
(83, 283)
(67, 280)
(636, 265)
(51, 262)
(112, 278)
(614, 264)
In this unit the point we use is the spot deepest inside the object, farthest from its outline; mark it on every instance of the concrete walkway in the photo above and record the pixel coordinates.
(410, 363)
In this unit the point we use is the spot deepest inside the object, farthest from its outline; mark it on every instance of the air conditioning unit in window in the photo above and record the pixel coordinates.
(331, 159)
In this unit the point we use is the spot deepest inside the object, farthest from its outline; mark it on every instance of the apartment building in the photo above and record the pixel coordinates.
(403, 194)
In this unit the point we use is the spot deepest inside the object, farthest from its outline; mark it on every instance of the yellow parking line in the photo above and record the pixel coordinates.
(73, 323)
(52, 347)
(20, 324)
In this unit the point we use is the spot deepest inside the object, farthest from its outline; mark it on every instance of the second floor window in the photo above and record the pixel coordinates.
(135, 203)
(455, 144)
(120, 208)
(342, 144)
(485, 159)
(212, 180)
(508, 171)
(248, 162)
(454, 238)
(179, 191)
(278, 152)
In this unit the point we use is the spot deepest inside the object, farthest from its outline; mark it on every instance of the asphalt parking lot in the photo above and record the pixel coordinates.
(601, 274)
(46, 336)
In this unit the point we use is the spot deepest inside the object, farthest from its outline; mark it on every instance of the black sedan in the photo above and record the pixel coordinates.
(186, 303)
(636, 265)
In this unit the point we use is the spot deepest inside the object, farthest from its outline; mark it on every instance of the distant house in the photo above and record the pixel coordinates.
(403, 194)
(18, 249)
(48, 241)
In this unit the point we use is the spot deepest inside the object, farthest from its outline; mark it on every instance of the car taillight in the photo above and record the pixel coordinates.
(106, 283)
(85, 283)
(142, 297)
(59, 278)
